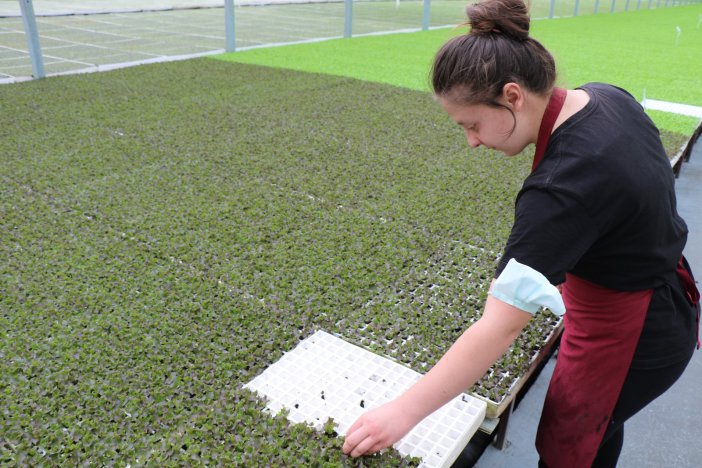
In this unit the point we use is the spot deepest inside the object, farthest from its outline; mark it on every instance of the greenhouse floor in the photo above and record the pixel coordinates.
(668, 431)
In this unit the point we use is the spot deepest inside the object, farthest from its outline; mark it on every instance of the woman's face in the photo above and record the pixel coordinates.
(492, 127)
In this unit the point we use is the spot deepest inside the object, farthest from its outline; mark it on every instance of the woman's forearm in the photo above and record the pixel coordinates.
(467, 360)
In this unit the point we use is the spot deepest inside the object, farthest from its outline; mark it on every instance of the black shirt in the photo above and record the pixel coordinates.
(601, 205)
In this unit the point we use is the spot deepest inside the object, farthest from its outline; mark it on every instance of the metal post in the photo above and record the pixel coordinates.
(611, 9)
(229, 26)
(552, 8)
(425, 17)
(348, 18)
(597, 6)
(626, 6)
(577, 8)
(32, 35)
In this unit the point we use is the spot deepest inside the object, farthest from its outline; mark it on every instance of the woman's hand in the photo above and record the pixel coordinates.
(377, 429)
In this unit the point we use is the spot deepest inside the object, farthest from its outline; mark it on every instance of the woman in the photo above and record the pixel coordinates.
(596, 216)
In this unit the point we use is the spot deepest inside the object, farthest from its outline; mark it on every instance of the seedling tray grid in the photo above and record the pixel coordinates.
(326, 377)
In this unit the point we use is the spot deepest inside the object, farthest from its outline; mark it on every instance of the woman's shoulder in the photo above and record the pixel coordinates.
(606, 89)
(608, 97)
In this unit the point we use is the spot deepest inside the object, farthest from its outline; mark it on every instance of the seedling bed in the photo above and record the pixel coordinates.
(496, 408)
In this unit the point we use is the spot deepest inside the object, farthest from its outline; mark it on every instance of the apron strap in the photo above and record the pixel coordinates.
(555, 104)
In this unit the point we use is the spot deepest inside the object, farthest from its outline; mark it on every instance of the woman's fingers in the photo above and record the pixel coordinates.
(361, 439)
(364, 447)
(377, 448)
(354, 436)
(377, 429)
(354, 427)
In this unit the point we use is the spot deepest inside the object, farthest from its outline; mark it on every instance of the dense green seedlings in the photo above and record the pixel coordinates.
(169, 231)
(673, 143)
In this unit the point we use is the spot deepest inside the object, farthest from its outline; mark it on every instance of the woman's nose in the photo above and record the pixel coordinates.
(472, 138)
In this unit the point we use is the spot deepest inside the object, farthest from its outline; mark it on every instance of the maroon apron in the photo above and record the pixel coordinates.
(601, 331)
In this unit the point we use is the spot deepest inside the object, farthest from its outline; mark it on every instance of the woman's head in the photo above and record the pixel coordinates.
(475, 67)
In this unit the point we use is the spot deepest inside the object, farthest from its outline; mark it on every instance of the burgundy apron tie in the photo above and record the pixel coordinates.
(693, 295)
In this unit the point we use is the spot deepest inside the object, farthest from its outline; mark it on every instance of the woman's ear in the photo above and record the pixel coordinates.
(513, 94)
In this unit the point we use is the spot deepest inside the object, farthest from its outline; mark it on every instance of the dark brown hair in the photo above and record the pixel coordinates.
(473, 68)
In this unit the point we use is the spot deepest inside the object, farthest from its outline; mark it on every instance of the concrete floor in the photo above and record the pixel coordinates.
(668, 432)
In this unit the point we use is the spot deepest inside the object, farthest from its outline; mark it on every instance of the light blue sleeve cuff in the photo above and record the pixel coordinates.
(526, 289)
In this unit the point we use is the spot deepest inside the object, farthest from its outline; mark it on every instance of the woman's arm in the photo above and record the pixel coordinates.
(463, 364)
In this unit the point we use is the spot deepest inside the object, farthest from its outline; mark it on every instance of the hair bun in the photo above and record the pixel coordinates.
(508, 17)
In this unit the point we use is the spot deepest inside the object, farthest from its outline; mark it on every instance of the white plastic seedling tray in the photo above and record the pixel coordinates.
(326, 377)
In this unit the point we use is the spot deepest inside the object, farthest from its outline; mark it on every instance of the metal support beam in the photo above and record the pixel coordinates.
(229, 26)
(427, 12)
(32, 34)
(348, 18)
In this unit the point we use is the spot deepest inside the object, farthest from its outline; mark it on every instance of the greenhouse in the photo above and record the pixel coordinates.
(229, 228)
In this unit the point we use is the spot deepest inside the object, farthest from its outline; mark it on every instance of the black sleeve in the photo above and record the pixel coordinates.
(551, 232)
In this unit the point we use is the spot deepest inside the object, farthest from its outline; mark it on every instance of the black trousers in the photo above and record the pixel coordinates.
(641, 387)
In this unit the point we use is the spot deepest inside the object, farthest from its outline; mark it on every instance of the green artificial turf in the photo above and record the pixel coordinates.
(635, 50)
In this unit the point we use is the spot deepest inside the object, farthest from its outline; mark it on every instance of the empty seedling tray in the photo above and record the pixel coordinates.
(326, 377)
